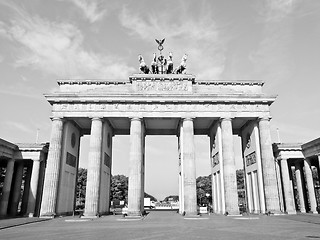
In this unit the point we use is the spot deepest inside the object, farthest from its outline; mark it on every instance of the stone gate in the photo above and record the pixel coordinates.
(160, 104)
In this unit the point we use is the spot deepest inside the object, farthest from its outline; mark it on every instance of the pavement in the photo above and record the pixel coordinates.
(165, 225)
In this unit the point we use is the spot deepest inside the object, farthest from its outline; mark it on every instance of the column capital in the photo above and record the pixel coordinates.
(36, 160)
(96, 119)
(136, 119)
(57, 119)
(187, 119)
(264, 118)
(225, 119)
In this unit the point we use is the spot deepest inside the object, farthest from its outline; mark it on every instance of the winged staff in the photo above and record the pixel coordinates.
(160, 42)
(162, 65)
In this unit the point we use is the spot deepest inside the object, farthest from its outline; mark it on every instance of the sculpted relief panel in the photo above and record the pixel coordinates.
(159, 107)
(162, 86)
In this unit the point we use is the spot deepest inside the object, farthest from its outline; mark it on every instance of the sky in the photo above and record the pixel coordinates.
(276, 41)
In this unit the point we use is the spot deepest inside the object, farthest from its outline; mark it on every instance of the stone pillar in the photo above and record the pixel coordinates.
(299, 176)
(268, 167)
(255, 192)
(189, 168)
(259, 170)
(6, 188)
(318, 167)
(16, 191)
(214, 192)
(287, 187)
(26, 190)
(51, 182)
(280, 190)
(135, 173)
(229, 169)
(33, 188)
(219, 196)
(94, 173)
(310, 186)
(249, 191)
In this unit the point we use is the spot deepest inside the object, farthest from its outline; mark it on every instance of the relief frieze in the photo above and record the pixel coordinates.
(159, 107)
(167, 86)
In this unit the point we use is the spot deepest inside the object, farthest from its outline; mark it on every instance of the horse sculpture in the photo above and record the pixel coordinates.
(169, 64)
(183, 65)
(154, 65)
(163, 65)
(143, 67)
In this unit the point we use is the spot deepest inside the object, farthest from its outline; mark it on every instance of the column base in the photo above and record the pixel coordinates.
(47, 215)
(90, 215)
(134, 214)
(291, 212)
(190, 214)
(313, 212)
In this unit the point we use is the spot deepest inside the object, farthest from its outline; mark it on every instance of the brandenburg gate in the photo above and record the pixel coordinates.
(160, 104)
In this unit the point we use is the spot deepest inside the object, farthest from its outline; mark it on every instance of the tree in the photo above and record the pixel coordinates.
(152, 198)
(204, 190)
(119, 188)
(174, 198)
(241, 187)
(81, 187)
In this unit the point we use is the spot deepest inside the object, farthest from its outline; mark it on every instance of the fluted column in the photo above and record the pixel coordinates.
(249, 192)
(300, 187)
(287, 187)
(135, 173)
(189, 167)
(94, 172)
(33, 188)
(259, 170)
(268, 167)
(219, 195)
(16, 191)
(255, 193)
(229, 168)
(310, 186)
(214, 192)
(51, 182)
(318, 167)
(6, 188)
(26, 189)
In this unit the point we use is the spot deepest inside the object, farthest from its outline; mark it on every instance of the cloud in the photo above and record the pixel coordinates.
(1, 58)
(277, 10)
(272, 59)
(289, 131)
(92, 10)
(57, 48)
(18, 126)
(198, 35)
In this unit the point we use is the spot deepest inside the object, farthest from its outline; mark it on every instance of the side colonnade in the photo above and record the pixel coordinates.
(299, 167)
(23, 166)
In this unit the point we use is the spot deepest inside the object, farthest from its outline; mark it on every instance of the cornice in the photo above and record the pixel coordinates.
(158, 77)
(152, 98)
(161, 77)
(230, 82)
(90, 82)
